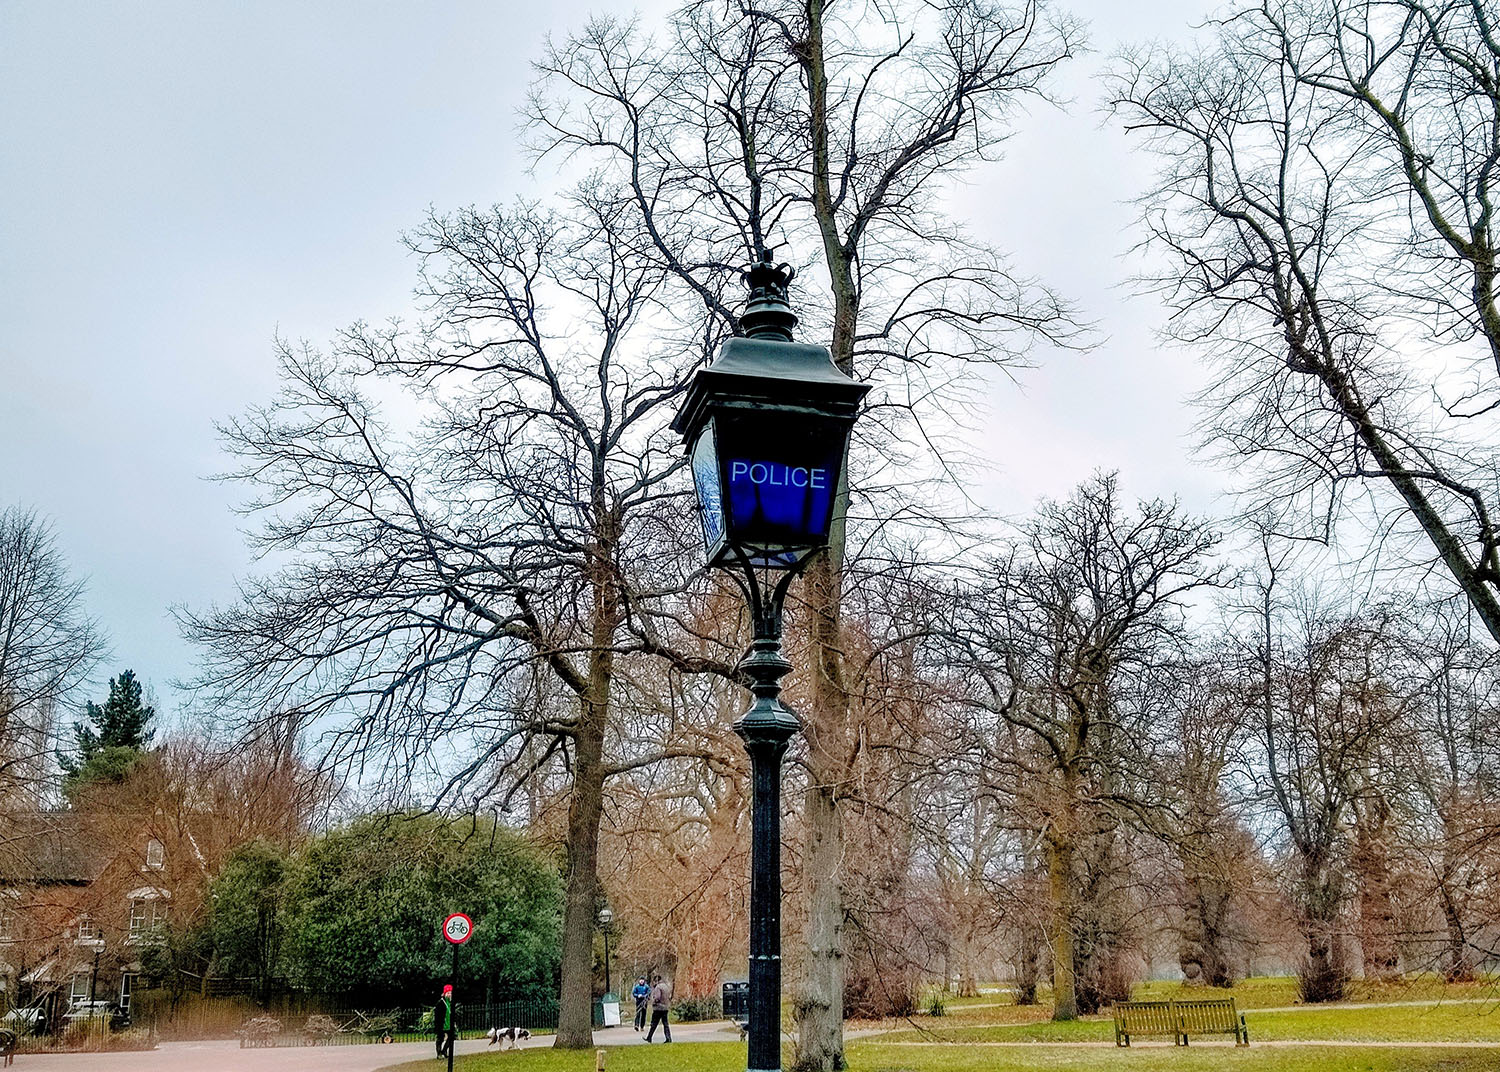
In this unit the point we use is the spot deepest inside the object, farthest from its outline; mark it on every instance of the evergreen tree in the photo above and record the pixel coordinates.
(114, 737)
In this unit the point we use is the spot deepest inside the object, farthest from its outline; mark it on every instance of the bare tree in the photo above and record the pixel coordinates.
(1214, 855)
(1325, 208)
(48, 645)
(1323, 687)
(1087, 597)
(1443, 822)
(466, 607)
(831, 126)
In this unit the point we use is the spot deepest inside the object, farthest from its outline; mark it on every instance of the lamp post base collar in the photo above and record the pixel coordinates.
(774, 725)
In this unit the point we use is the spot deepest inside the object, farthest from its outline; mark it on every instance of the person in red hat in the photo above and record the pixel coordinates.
(445, 1023)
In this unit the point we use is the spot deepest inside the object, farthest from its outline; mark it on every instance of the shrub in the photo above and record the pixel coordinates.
(869, 997)
(936, 1006)
(1330, 983)
(135, 1038)
(690, 1009)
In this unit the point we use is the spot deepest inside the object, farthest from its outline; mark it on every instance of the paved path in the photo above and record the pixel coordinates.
(228, 1057)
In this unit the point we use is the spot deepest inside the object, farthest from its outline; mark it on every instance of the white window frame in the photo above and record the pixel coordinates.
(156, 855)
(127, 989)
(88, 930)
(146, 915)
(78, 988)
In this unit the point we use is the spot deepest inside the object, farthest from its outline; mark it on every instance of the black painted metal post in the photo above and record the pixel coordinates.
(607, 988)
(453, 1006)
(766, 728)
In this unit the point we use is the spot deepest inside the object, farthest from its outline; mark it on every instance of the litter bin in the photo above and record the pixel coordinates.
(735, 998)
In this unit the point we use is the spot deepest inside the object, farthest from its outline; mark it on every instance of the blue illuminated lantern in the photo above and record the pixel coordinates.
(767, 427)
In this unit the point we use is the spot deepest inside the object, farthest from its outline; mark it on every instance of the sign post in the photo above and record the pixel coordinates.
(457, 929)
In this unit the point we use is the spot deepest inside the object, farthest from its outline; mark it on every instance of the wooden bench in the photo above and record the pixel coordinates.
(1180, 1018)
(1212, 1016)
(1145, 1018)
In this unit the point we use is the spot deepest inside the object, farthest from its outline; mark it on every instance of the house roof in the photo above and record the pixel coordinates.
(51, 848)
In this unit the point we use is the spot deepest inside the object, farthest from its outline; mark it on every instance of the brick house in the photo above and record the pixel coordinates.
(81, 899)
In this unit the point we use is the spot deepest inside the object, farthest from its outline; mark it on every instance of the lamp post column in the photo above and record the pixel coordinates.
(766, 729)
(607, 988)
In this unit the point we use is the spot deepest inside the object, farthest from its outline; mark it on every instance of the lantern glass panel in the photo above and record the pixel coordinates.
(710, 491)
(779, 473)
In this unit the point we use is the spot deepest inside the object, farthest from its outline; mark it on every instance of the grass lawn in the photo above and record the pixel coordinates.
(1259, 993)
(1456, 1014)
(1263, 992)
(1452, 1022)
(878, 1057)
(873, 1057)
(970, 1015)
(1274, 991)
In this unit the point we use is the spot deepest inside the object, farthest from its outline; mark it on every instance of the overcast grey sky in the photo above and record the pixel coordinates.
(180, 182)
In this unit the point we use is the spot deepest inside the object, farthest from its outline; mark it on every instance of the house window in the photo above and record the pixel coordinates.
(156, 855)
(88, 930)
(127, 987)
(79, 991)
(7, 921)
(146, 914)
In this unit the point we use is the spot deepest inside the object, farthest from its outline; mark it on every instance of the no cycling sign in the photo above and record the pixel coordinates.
(458, 928)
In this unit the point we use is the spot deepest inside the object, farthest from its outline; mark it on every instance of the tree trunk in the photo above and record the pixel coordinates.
(1203, 956)
(820, 1005)
(1377, 914)
(575, 1020)
(1060, 879)
(1028, 954)
(1458, 966)
(820, 1002)
(1323, 977)
(1412, 489)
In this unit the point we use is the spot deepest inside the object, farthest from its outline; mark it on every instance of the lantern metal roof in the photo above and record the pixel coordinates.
(765, 367)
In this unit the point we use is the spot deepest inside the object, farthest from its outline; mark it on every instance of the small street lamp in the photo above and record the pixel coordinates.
(767, 426)
(97, 945)
(606, 917)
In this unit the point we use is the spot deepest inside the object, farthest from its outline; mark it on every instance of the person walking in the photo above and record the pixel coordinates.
(661, 1004)
(445, 1023)
(642, 994)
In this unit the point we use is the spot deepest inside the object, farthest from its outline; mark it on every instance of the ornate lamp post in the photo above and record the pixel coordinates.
(767, 425)
(606, 917)
(97, 945)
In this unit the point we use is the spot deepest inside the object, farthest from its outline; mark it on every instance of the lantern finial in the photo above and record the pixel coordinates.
(768, 316)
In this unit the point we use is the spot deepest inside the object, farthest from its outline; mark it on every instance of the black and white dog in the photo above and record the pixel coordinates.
(504, 1035)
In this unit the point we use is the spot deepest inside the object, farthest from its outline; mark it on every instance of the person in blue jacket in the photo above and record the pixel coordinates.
(642, 995)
